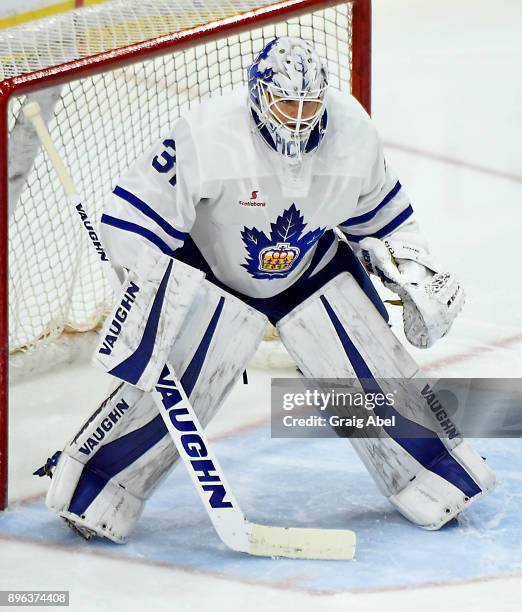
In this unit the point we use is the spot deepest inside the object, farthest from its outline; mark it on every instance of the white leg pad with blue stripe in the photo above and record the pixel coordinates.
(421, 500)
(105, 474)
(339, 333)
(148, 315)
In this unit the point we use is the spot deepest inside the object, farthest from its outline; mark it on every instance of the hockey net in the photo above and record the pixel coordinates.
(110, 79)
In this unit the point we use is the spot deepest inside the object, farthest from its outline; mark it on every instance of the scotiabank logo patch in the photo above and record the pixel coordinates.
(253, 201)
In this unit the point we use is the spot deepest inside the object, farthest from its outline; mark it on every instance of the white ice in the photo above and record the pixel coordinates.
(448, 102)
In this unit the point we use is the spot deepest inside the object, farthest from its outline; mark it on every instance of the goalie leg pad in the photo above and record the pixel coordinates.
(150, 311)
(338, 333)
(105, 474)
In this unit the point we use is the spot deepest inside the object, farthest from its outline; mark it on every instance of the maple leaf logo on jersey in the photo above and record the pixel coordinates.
(276, 256)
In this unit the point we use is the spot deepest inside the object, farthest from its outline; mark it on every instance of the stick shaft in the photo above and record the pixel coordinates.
(32, 112)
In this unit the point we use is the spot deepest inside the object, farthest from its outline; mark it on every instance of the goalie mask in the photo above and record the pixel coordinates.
(287, 87)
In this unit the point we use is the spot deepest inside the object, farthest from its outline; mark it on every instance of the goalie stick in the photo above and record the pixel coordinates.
(170, 399)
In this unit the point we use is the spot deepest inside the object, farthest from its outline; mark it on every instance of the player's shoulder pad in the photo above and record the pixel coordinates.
(352, 142)
(342, 104)
(218, 117)
(220, 129)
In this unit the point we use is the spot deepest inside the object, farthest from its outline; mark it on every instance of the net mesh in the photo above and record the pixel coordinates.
(85, 32)
(101, 124)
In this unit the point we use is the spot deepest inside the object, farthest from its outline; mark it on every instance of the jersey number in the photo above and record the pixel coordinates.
(169, 159)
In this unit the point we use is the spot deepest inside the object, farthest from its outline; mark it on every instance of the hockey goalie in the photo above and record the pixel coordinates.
(275, 204)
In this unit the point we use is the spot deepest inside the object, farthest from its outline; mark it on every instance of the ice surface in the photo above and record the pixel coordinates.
(445, 84)
(312, 483)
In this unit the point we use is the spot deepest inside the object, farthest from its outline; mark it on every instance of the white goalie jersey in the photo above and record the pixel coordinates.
(255, 218)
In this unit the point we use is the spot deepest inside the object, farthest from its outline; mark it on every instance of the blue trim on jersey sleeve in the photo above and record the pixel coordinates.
(427, 448)
(148, 211)
(371, 214)
(388, 228)
(138, 229)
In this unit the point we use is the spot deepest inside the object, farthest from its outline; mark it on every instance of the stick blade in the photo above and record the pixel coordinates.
(301, 543)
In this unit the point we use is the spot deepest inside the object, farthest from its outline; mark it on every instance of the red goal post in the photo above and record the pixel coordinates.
(193, 32)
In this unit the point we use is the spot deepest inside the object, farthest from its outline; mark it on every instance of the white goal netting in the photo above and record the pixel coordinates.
(100, 125)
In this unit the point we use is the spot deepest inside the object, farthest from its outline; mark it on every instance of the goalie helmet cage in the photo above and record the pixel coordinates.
(119, 73)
